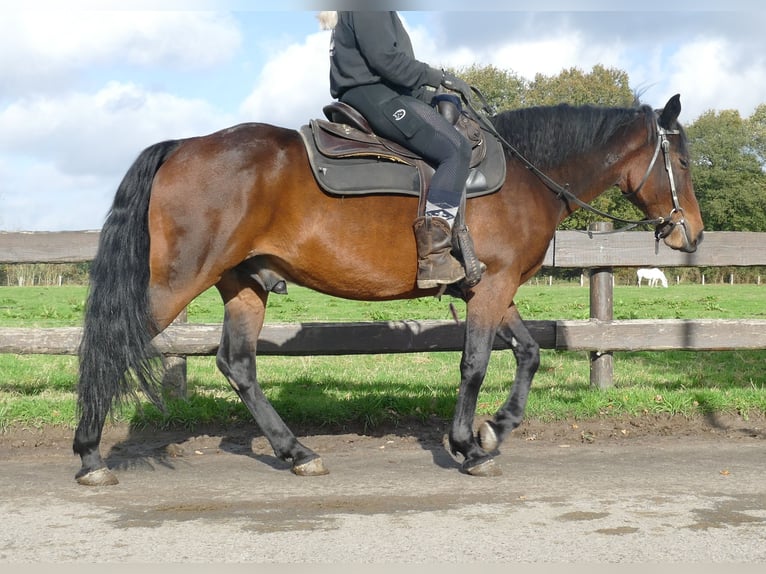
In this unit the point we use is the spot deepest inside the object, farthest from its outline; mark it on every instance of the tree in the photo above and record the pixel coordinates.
(757, 124)
(503, 89)
(506, 90)
(601, 87)
(727, 169)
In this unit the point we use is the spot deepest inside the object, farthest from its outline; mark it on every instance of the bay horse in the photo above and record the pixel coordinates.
(236, 207)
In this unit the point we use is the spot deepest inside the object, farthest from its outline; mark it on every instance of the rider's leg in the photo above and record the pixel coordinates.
(419, 127)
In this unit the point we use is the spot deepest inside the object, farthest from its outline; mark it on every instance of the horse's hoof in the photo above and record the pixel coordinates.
(314, 467)
(449, 448)
(486, 468)
(487, 437)
(99, 477)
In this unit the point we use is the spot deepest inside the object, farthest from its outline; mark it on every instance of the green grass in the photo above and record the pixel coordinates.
(41, 306)
(370, 389)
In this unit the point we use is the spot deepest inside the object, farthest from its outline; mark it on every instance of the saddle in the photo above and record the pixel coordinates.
(347, 158)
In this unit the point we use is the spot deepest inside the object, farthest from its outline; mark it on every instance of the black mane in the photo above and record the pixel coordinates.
(548, 135)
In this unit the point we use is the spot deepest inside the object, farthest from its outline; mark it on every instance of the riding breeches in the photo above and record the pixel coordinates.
(417, 126)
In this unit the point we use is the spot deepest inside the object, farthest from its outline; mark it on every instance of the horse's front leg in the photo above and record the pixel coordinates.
(473, 367)
(527, 353)
(245, 303)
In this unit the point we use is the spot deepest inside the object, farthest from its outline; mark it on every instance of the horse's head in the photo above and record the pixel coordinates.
(659, 181)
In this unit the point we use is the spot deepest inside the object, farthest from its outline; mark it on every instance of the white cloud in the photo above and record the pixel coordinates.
(66, 144)
(714, 60)
(293, 85)
(41, 50)
(714, 75)
(41, 198)
(80, 146)
(98, 133)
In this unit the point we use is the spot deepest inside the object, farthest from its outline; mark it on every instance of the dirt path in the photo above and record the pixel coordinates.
(659, 490)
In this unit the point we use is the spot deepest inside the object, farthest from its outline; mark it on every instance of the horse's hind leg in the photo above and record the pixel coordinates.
(527, 353)
(245, 305)
(94, 471)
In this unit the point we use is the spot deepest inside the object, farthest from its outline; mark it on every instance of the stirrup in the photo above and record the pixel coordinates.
(474, 268)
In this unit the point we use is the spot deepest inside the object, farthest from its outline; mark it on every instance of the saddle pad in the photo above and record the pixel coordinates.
(384, 174)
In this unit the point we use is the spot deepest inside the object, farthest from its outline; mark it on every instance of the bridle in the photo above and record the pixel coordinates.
(663, 226)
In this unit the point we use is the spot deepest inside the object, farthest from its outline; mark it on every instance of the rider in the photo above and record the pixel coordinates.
(373, 69)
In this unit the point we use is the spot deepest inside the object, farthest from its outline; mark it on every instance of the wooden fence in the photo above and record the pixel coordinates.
(600, 335)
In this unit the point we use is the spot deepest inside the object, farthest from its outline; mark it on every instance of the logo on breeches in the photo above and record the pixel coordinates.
(399, 114)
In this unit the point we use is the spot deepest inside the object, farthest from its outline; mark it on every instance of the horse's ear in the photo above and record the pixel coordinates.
(670, 112)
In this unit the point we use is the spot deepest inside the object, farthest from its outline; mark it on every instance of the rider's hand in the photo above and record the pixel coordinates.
(452, 82)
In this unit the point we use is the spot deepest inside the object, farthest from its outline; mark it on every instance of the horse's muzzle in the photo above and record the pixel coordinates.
(677, 235)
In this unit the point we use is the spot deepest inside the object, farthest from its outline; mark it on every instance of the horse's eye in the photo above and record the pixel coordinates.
(684, 162)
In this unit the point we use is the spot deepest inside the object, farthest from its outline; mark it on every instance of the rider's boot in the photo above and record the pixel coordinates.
(436, 265)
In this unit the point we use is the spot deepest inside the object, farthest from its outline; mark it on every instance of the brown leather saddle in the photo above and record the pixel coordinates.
(347, 158)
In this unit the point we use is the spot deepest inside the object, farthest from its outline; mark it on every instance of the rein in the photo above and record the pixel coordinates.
(663, 225)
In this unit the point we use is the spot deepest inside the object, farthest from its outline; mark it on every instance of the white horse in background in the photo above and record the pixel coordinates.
(652, 275)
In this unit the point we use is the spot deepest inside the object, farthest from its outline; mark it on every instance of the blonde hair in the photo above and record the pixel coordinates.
(327, 20)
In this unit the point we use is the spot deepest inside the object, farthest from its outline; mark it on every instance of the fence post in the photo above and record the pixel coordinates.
(602, 309)
(174, 379)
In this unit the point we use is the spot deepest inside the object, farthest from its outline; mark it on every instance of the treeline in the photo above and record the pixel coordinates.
(691, 275)
(30, 274)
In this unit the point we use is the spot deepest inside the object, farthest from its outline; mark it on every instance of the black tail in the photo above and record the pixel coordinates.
(115, 350)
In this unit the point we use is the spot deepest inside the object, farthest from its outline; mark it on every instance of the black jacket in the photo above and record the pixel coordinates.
(373, 47)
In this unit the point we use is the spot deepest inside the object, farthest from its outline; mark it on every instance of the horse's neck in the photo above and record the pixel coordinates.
(591, 174)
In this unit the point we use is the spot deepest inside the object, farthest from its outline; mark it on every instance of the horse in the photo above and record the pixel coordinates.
(652, 276)
(240, 209)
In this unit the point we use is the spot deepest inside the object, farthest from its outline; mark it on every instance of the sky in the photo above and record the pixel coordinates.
(85, 86)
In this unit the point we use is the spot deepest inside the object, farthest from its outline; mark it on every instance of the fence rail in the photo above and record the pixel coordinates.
(569, 249)
(390, 337)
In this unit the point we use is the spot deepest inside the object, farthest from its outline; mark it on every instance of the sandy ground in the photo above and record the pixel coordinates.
(653, 489)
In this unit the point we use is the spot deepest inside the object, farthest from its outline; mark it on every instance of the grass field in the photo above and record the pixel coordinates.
(369, 389)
